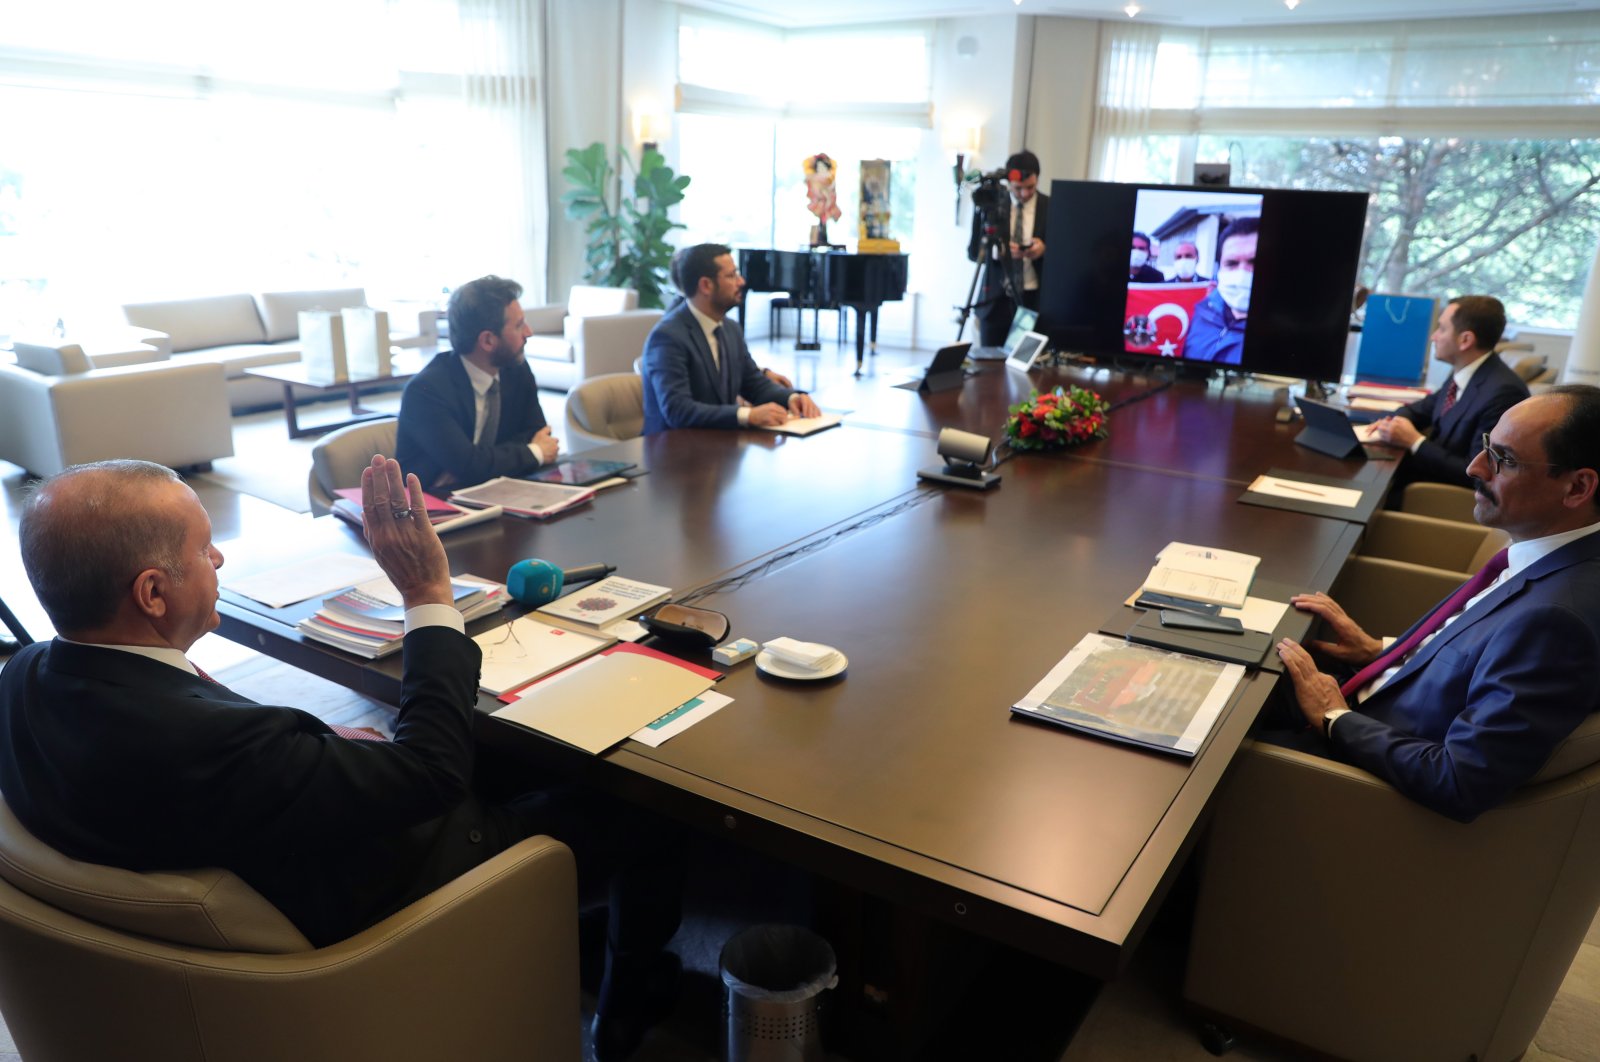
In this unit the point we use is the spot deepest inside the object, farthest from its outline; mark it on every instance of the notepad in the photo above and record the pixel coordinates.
(595, 704)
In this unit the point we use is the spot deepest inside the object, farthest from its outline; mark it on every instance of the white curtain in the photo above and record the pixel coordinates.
(1122, 105)
(500, 155)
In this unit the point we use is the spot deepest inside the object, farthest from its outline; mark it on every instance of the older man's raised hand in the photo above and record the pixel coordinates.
(402, 538)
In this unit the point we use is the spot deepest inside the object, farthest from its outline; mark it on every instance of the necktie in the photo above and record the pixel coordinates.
(1451, 605)
(719, 352)
(491, 415)
(1449, 397)
(1016, 224)
(198, 670)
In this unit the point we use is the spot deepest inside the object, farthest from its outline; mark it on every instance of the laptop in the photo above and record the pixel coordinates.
(1022, 323)
(1330, 431)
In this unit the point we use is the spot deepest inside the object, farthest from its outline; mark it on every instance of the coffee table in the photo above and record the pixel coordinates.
(403, 366)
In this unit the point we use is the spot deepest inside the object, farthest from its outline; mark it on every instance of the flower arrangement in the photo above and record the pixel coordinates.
(1057, 419)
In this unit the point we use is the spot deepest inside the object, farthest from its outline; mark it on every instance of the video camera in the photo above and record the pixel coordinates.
(992, 193)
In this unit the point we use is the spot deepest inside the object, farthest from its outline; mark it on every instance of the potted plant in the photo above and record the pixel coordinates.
(628, 247)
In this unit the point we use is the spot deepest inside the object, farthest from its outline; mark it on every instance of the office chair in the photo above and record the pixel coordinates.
(1336, 914)
(338, 458)
(606, 409)
(194, 966)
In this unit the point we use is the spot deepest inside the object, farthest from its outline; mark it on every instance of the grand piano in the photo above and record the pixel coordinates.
(823, 279)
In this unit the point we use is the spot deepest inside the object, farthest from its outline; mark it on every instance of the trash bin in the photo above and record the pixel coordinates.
(775, 976)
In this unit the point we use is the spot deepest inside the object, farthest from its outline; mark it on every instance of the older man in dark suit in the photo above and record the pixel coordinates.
(115, 749)
(1471, 702)
(696, 364)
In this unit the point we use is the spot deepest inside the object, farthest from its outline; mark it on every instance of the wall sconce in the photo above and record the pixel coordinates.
(650, 127)
(964, 138)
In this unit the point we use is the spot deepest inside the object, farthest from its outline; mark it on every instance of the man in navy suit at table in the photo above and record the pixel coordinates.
(696, 365)
(473, 413)
(1497, 677)
(1444, 431)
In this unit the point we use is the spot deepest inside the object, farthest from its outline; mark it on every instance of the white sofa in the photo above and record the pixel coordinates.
(242, 331)
(59, 409)
(597, 331)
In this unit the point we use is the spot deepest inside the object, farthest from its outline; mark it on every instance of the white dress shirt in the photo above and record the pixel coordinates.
(481, 382)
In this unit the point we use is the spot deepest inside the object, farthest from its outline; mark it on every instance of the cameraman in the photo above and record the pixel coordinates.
(1025, 243)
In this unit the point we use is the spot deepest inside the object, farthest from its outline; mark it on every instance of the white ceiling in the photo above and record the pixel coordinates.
(799, 13)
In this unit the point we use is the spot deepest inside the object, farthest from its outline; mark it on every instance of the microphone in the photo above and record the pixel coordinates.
(538, 582)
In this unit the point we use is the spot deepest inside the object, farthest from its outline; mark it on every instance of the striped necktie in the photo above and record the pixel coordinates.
(1450, 394)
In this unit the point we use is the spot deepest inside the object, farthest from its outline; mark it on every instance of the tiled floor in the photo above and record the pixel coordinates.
(1137, 1018)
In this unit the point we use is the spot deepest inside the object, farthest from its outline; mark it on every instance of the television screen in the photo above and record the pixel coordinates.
(1259, 280)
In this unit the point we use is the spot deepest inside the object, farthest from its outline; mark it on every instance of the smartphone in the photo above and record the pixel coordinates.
(1192, 621)
(1151, 599)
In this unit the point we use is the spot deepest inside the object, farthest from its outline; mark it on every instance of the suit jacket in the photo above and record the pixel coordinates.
(118, 759)
(1479, 709)
(1455, 438)
(438, 412)
(683, 387)
(991, 298)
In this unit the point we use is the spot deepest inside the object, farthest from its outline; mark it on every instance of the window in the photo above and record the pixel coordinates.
(170, 149)
(782, 96)
(1478, 140)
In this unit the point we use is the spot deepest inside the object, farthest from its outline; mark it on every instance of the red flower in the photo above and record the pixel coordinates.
(1029, 429)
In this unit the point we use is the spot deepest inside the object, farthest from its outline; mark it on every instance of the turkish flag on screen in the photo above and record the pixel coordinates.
(1158, 317)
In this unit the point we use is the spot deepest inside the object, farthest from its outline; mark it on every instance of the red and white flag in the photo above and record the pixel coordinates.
(1158, 317)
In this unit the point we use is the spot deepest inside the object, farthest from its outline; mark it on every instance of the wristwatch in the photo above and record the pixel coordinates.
(1328, 718)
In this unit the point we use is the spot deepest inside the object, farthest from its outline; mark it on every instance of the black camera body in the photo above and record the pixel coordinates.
(992, 196)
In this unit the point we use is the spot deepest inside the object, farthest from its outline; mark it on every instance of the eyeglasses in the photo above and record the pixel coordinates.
(1499, 459)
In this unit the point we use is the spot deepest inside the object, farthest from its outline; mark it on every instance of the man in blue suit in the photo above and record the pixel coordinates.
(696, 364)
(473, 413)
(1443, 431)
(1476, 708)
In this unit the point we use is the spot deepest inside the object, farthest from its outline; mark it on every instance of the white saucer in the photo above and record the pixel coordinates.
(773, 666)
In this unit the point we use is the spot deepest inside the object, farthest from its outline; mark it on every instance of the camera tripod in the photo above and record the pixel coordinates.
(1008, 288)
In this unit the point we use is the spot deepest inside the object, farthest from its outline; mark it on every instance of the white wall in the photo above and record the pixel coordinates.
(1064, 73)
(989, 88)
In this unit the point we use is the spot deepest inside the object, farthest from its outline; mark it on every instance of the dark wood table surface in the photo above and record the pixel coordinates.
(907, 776)
(1183, 426)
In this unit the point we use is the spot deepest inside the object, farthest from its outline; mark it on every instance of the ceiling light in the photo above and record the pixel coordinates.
(1291, 4)
(1132, 9)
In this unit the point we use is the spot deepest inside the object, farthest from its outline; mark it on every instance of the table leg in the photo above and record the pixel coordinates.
(289, 413)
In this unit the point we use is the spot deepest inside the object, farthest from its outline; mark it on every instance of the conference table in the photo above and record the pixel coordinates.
(907, 777)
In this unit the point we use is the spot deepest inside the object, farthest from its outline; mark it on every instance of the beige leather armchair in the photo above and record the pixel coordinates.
(605, 409)
(338, 458)
(1431, 541)
(57, 410)
(1444, 501)
(1338, 915)
(597, 331)
(194, 966)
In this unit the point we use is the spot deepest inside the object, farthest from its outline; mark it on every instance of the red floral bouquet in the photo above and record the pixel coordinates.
(1057, 419)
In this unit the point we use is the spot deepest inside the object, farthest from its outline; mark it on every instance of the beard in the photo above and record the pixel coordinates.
(504, 356)
(1483, 501)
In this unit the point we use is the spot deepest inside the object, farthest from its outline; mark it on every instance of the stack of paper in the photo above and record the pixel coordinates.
(806, 425)
(598, 702)
(443, 515)
(369, 619)
(525, 650)
(521, 497)
(1201, 573)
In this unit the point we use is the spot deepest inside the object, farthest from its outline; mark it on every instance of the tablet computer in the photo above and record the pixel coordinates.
(580, 472)
(1027, 351)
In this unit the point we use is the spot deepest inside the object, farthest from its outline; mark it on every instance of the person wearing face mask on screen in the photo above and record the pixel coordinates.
(1186, 266)
(1140, 271)
(1217, 334)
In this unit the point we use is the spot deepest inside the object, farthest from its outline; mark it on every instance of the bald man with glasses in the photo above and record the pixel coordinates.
(1471, 702)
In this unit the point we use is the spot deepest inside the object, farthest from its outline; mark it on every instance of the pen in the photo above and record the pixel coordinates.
(1302, 490)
